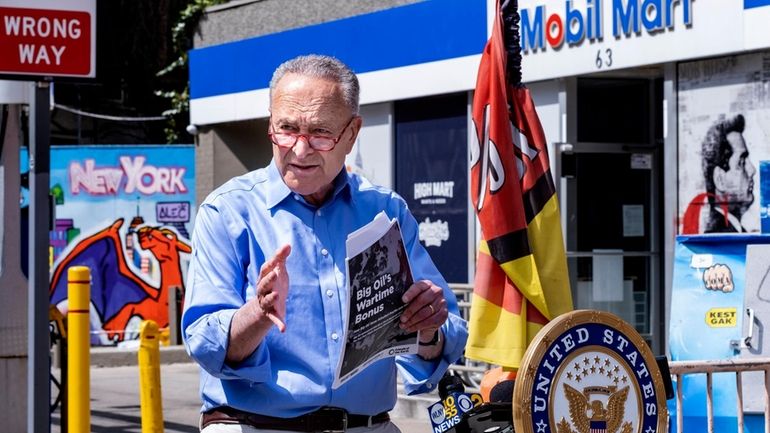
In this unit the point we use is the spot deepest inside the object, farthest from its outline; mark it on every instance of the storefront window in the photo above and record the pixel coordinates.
(432, 174)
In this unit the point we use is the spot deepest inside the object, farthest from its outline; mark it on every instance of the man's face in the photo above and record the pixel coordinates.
(308, 105)
(736, 185)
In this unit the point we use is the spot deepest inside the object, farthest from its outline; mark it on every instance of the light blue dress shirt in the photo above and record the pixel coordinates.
(240, 225)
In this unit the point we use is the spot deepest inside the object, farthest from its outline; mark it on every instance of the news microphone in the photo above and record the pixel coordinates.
(446, 414)
(495, 416)
(450, 384)
(502, 392)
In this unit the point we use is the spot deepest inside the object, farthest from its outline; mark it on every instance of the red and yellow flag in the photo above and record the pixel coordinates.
(521, 272)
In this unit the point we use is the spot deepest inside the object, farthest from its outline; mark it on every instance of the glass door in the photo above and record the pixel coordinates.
(612, 232)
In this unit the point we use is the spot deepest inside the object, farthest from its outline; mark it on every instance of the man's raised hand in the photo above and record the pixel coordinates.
(273, 287)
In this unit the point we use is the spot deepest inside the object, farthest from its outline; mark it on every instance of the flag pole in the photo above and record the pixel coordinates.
(512, 40)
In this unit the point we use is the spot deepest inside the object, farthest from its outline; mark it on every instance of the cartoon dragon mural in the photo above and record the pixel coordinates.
(118, 294)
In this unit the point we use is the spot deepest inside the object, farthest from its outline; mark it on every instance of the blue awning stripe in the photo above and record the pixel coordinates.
(748, 4)
(417, 33)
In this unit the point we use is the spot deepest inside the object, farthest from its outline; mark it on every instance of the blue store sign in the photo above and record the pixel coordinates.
(432, 176)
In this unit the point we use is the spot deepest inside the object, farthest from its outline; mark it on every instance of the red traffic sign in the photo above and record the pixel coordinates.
(48, 42)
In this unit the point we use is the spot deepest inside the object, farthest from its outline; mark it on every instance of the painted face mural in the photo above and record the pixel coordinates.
(723, 119)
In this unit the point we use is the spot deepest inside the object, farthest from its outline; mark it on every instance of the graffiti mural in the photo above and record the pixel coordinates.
(125, 212)
(724, 131)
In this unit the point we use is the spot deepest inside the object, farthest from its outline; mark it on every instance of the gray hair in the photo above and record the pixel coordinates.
(316, 65)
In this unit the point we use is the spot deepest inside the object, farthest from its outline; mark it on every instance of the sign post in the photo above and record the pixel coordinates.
(40, 40)
(38, 396)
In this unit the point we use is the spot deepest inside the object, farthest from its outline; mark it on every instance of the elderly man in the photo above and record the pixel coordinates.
(267, 288)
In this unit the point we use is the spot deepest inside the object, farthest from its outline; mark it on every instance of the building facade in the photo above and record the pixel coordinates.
(629, 93)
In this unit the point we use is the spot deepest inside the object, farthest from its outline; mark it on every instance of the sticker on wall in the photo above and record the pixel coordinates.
(701, 260)
(722, 317)
(433, 233)
(719, 278)
(641, 161)
(633, 220)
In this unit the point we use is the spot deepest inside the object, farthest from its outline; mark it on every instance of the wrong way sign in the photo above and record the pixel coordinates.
(48, 38)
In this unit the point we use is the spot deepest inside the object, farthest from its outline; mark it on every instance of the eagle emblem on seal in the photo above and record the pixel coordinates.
(590, 416)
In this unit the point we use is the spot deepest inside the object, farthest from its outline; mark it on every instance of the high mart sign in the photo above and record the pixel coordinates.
(47, 38)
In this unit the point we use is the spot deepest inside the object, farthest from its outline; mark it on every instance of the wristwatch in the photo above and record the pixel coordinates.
(433, 341)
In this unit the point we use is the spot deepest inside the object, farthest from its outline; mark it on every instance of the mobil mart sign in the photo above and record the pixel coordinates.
(48, 38)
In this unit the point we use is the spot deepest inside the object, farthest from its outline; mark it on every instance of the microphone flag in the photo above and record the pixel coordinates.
(447, 414)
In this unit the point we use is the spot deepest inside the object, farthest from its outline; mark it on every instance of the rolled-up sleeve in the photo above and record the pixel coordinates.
(420, 375)
(216, 289)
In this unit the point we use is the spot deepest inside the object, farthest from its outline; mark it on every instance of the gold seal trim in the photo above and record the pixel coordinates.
(537, 355)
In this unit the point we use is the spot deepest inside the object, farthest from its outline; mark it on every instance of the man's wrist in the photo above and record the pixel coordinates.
(259, 315)
(435, 340)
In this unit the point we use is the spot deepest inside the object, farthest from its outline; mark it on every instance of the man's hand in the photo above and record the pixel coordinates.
(426, 309)
(273, 287)
(251, 322)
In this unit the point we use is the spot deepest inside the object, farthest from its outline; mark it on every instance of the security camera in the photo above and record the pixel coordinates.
(192, 129)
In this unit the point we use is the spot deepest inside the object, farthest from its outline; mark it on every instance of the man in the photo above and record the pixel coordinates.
(729, 177)
(267, 288)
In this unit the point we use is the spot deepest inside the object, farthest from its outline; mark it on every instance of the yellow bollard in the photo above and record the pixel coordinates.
(78, 349)
(149, 378)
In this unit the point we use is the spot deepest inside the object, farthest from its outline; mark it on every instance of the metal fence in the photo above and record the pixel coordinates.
(681, 368)
(473, 371)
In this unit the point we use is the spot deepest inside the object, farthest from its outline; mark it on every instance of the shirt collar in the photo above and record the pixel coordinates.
(730, 219)
(277, 191)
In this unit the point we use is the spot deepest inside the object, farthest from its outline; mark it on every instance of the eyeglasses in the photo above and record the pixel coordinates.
(317, 142)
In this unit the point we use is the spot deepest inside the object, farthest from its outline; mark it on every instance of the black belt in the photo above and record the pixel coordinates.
(326, 419)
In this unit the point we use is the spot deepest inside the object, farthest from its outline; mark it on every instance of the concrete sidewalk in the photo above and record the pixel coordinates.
(111, 356)
(115, 395)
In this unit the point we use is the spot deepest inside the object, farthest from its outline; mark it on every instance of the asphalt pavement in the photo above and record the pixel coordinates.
(115, 401)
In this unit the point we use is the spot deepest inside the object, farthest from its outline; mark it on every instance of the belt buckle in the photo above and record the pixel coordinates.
(335, 414)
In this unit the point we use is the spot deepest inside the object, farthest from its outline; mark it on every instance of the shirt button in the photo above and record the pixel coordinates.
(335, 336)
(329, 293)
(429, 385)
(325, 252)
(318, 212)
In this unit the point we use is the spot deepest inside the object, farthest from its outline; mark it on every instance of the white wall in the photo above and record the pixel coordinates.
(546, 97)
(372, 155)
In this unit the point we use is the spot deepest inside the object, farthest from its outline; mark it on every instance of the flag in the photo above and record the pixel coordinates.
(521, 271)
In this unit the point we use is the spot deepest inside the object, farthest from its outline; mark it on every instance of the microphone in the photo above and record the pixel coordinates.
(494, 416)
(446, 414)
(502, 392)
(450, 384)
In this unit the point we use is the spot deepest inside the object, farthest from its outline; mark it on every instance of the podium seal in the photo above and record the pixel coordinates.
(589, 372)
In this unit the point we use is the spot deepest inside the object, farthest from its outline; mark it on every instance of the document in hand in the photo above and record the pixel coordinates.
(378, 275)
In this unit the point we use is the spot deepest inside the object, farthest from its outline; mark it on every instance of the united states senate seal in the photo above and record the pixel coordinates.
(589, 372)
